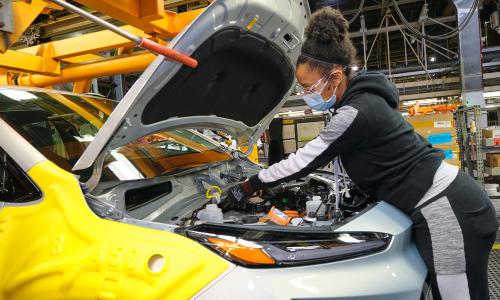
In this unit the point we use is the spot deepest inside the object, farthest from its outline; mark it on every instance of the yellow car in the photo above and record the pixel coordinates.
(53, 245)
(119, 200)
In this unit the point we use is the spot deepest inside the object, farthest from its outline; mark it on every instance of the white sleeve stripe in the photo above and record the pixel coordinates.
(337, 126)
(339, 123)
(295, 162)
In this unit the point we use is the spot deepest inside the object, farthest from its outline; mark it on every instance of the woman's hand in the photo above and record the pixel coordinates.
(237, 197)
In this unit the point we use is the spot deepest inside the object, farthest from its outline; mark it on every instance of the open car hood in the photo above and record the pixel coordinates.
(246, 52)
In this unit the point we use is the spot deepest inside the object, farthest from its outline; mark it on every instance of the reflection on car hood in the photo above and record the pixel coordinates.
(246, 52)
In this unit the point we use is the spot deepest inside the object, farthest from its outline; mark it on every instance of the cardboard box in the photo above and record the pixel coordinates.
(488, 142)
(493, 160)
(473, 156)
(440, 138)
(491, 133)
(449, 154)
(437, 121)
(309, 130)
(426, 131)
(492, 171)
(289, 146)
(491, 142)
(454, 161)
(449, 146)
(438, 129)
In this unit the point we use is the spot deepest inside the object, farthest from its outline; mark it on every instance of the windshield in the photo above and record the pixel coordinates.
(161, 153)
(61, 126)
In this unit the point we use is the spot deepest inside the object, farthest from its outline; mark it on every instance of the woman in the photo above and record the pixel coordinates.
(454, 222)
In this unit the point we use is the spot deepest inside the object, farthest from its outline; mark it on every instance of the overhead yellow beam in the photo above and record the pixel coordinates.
(147, 15)
(4, 78)
(174, 3)
(34, 61)
(89, 43)
(124, 64)
(51, 6)
(44, 59)
(40, 62)
(144, 10)
(14, 60)
(23, 14)
(82, 86)
(81, 58)
(143, 15)
(176, 22)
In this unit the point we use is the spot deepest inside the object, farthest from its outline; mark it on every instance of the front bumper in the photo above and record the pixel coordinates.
(398, 272)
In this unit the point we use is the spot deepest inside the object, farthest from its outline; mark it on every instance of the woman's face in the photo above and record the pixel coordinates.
(309, 77)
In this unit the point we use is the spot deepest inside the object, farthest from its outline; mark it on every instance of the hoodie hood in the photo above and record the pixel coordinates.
(372, 83)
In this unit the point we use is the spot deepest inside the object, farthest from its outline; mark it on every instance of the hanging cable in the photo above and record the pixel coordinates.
(444, 36)
(356, 15)
(451, 33)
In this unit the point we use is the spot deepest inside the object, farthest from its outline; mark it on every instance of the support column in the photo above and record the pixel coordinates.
(363, 32)
(95, 86)
(118, 84)
(406, 54)
(388, 13)
(470, 55)
(424, 47)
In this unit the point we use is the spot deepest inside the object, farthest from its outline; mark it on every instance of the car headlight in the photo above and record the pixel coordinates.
(253, 247)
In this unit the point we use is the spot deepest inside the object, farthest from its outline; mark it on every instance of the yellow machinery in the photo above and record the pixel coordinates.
(77, 59)
(40, 65)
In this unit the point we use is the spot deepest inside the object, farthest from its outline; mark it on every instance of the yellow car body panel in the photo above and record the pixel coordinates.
(59, 249)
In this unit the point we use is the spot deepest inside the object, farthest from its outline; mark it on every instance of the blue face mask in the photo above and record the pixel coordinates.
(316, 101)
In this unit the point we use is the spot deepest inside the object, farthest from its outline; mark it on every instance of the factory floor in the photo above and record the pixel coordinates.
(494, 272)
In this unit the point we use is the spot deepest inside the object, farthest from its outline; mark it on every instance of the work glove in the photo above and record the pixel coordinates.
(237, 197)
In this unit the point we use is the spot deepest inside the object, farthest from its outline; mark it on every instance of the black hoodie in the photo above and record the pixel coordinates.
(380, 151)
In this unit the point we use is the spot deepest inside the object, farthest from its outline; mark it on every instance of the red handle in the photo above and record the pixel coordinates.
(169, 53)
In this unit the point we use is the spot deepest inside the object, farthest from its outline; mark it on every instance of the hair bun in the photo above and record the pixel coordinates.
(327, 26)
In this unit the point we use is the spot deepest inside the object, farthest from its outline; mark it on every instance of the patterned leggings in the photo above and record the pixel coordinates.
(454, 233)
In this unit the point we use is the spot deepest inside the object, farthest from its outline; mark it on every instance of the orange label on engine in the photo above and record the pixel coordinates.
(278, 217)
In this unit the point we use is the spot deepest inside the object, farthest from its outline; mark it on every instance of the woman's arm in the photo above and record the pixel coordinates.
(346, 129)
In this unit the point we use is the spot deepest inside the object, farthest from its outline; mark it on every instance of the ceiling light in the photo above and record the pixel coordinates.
(355, 68)
(433, 59)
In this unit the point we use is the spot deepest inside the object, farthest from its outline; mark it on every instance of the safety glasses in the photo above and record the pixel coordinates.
(315, 87)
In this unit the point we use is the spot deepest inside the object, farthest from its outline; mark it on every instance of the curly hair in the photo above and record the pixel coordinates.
(327, 41)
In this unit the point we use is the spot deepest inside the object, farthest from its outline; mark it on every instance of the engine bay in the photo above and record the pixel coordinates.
(307, 202)
(193, 197)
